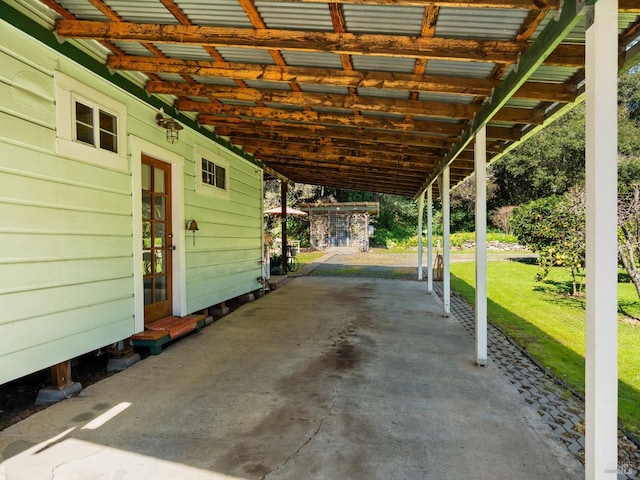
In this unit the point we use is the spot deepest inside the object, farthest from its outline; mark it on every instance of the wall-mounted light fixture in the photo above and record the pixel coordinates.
(171, 126)
(192, 226)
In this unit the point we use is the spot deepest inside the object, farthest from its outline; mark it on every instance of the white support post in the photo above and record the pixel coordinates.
(481, 246)
(420, 214)
(446, 242)
(430, 239)
(601, 403)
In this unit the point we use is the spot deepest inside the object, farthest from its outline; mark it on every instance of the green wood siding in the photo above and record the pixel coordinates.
(66, 230)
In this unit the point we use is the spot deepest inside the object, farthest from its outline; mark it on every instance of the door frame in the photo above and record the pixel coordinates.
(138, 147)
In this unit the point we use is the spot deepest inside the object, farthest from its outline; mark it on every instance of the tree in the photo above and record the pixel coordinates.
(554, 227)
(501, 217)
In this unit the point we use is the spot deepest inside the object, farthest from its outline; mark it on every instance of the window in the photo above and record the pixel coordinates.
(212, 172)
(90, 125)
(95, 126)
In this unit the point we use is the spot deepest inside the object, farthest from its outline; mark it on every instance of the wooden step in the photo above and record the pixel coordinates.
(162, 331)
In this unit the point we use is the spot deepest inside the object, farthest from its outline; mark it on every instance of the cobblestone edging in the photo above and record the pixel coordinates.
(560, 408)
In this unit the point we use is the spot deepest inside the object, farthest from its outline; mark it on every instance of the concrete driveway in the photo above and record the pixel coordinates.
(324, 378)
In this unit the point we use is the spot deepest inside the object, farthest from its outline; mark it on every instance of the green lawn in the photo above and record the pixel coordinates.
(550, 324)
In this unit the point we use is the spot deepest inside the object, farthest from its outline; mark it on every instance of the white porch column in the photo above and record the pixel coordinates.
(430, 239)
(446, 220)
(481, 245)
(601, 404)
(420, 213)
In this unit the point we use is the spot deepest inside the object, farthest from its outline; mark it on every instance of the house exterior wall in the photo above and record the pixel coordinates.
(69, 231)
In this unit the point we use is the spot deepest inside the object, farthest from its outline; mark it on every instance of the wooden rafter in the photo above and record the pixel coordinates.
(548, 92)
(445, 131)
(430, 109)
(492, 51)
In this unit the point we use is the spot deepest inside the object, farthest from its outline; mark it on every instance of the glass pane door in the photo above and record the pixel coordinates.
(156, 238)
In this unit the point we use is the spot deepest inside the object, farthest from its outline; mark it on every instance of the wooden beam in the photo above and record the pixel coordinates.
(381, 123)
(546, 92)
(491, 51)
(388, 160)
(255, 127)
(369, 104)
(349, 141)
(306, 75)
(296, 143)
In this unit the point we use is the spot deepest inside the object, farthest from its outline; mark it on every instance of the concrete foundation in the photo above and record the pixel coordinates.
(48, 396)
(119, 364)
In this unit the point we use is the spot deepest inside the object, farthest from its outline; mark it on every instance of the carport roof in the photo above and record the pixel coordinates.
(373, 95)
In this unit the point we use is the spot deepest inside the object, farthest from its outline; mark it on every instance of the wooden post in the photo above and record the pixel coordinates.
(601, 376)
(481, 245)
(283, 222)
(61, 375)
(420, 214)
(446, 241)
(430, 239)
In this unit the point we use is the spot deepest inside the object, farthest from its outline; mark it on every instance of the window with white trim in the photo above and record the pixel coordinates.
(212, 172)
(90, 125)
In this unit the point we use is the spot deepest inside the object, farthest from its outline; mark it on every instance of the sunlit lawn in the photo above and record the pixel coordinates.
(550, 324)
(307, 257)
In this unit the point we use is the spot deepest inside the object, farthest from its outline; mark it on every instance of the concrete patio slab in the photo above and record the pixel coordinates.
(323, 378)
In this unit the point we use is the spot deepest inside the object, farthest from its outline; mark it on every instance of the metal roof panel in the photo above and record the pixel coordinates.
(141, 11)
(187, 52)
(480, 23)
(221, 13)
(295, 16)
(383, 93)
(296, 58)
(451, 68)
(83, 10)
(383, 64)
(383, 19)
(246, 55)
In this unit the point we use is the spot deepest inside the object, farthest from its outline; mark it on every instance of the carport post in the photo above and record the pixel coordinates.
(481, 245)
(420, 213)
(429, 239)
(446, 219)
(283, 220)
(601, 377)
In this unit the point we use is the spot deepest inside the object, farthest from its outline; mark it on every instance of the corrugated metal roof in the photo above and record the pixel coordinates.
(246, 55)
(522, 103)
(295, 16)
(222, 81)
(479, 23)
(296, 58)
(549, 74)
(383, 93)
(442, 97)
(394, 75)
(221, 13)
(382, 19)
(383, 64)
(83, 10)
(133, 48)
(141, 11)
(449, 68)
(170, 77)
(240, 103)
(184, 51)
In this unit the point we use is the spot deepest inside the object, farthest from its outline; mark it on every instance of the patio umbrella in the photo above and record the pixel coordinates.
(290, 211)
